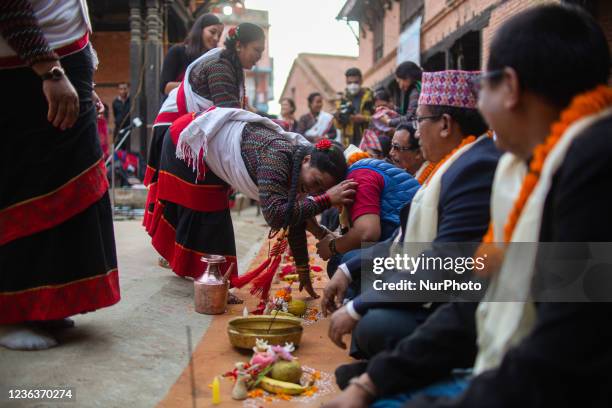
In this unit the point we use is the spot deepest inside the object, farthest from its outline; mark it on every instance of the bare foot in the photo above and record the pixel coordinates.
(25, 337)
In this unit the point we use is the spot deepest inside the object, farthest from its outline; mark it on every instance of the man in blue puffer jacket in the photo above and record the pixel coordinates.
(383, 189)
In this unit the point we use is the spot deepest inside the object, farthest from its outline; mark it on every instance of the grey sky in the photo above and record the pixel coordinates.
(303, 26)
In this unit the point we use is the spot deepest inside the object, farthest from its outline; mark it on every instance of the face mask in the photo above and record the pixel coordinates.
(353, 89)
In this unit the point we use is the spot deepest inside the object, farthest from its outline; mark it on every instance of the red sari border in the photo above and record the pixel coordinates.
(49, 210)
(183, 261)
(205, 197)
(60, 301)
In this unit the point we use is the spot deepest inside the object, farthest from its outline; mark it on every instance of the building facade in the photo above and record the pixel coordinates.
(437, 34)
(131, 38)
(321, 73)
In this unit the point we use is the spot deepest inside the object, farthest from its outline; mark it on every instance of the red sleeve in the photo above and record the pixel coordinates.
(369, 190)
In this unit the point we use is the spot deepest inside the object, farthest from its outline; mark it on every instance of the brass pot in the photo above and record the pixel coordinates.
(243, 331)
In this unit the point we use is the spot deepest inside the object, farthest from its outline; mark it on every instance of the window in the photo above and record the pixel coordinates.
(378, 29)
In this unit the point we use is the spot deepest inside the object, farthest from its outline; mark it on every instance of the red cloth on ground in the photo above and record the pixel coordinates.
(369, 190)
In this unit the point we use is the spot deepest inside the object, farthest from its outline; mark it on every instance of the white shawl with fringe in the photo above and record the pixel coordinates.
(193, 101)
(422, 224)
(502, 324)
(217, 133)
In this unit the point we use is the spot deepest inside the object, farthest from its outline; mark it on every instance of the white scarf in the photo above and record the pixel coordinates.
(501, 325)
(422, 224)
(193, 101)
(321, 126)
(218, 134)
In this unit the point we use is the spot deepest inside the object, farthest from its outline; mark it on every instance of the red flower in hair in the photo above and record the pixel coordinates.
(232, 32)
(323, 144)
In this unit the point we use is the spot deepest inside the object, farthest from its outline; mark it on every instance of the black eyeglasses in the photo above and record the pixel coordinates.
(493, 75)
(418, 119)
(402, 148)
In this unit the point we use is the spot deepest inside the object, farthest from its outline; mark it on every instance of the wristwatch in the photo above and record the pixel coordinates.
(56, 73)
(332, 247)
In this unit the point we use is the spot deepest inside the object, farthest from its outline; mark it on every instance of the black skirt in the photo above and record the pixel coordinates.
(191, 217)
(57, 249)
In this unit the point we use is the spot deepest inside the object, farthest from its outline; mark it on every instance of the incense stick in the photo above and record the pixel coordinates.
(229, 271)
(278, 302)
(191, 370)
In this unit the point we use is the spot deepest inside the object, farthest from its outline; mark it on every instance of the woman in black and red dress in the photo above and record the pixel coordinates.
(216, 78)
(192, 214)
(203, 36)
(57, 248)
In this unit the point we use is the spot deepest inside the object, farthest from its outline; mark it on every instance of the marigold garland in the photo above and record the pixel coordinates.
(585, 104)
(426, 172)
(355, 157)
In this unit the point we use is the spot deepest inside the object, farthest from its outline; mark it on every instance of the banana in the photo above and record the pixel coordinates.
(293, 277)
(280, 387)
(281, 313)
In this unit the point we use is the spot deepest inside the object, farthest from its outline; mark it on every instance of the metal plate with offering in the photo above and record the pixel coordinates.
(276, 330)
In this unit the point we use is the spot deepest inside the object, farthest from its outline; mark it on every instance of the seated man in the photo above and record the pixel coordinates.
(406, 154)
(547, 101)
(382, 189)
(451, 206)
(405, 151)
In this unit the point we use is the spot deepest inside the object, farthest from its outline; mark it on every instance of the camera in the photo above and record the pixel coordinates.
(345, 111)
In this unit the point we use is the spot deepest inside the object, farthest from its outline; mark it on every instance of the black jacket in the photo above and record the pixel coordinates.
(463, 214)
(567, 360)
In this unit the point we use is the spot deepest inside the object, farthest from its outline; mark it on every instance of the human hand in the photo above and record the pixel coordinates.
(306, 283)
(341, 323)
(334, 292)
(61, 96)
(351, 397)
(342, 193)
(323, 247)
(97, 102)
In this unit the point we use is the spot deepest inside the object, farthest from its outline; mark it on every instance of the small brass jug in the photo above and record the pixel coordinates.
(211, 289)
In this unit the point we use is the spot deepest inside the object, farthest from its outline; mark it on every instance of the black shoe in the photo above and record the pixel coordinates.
(345, 372)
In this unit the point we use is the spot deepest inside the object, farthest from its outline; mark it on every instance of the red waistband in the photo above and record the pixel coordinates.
(14, 61)
(166, 118)
(197, 197)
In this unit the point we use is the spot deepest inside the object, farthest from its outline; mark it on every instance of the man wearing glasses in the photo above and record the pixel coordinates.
(452, 205)
(405, 151)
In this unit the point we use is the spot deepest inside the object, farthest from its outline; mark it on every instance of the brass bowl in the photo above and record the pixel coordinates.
(243, 331)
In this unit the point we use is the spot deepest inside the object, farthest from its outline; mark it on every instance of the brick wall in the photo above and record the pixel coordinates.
(499, 15)
(375, 72)
(391, 28)
(441, 20)
(113, 49)
(299, 86)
